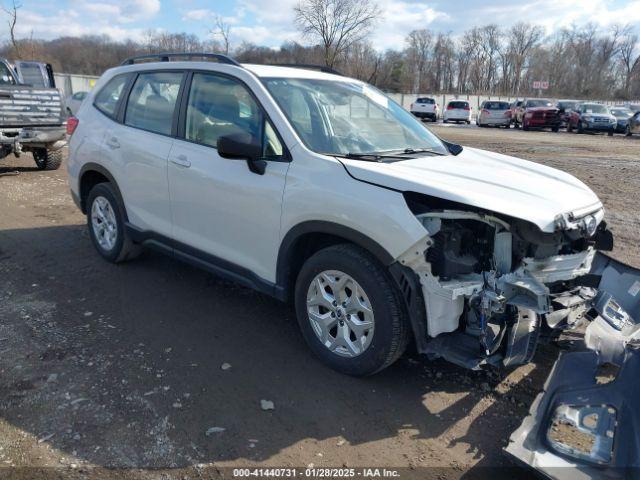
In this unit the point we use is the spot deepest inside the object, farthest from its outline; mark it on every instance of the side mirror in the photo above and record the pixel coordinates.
(242, 146)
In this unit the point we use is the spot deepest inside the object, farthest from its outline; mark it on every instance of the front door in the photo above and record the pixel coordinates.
(219, 206)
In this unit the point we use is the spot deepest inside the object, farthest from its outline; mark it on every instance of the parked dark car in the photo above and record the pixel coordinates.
(565, 107)
(538, 113)
(592, 117)
(633, 126)
(622, 115)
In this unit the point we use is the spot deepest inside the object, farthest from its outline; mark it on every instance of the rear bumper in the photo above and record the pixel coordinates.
(34, 136)
(496, 121)
(425, 114)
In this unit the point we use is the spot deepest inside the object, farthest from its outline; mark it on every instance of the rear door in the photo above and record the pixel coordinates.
(220, 208)
(141, 145)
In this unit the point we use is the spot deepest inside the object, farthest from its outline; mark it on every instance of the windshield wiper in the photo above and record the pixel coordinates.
(409, 151)
(370, 157)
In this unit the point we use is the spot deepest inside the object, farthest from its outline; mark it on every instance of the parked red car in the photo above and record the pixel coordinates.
(538, 113)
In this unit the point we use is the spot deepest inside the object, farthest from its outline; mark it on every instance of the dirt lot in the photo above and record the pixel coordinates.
(121, 366)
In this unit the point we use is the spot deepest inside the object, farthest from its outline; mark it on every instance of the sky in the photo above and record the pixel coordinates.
(270, 22)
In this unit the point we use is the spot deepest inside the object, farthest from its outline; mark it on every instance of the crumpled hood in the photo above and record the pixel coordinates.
(491, 181)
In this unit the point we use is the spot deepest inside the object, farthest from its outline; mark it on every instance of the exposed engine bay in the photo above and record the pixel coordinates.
(494, 286)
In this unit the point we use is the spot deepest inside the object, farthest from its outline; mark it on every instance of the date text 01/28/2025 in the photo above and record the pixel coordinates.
(311, 472)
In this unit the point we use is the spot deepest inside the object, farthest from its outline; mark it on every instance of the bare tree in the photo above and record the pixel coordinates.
(629, 58)
(523, 37)
(336, 24)
(223, 30)
(12, 11)
(419, 52)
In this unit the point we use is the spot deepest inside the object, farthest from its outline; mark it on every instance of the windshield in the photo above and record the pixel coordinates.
(342, 118)
(539, 103)
(594, 109)
(567, 105)
(621, 112)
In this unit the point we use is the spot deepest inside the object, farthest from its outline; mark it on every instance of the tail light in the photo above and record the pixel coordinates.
(507, 113)
(467, 107)
(485, 111)
(449, 107)
(72, 124)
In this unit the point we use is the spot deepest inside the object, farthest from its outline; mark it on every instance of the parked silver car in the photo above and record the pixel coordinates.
(633, 125)
(494, 114)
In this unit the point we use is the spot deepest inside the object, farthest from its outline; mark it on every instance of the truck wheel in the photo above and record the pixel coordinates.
(610, 134)
(555, 129)
(47, 159)
(105, 219)
(525, 126)
(349, 310)
(628, 131)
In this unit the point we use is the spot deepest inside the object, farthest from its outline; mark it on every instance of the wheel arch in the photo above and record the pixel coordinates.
(306, 238)
(92, 174)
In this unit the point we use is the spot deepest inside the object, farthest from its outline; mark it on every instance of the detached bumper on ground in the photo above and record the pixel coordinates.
(586, 425)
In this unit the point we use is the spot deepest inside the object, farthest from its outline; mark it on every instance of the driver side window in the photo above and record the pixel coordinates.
(220, 106)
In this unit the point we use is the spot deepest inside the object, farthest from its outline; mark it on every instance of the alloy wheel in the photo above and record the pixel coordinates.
(103, 223)
(340, 313)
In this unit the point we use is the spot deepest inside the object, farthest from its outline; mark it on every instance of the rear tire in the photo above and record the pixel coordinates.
(371, 286)
(525, 127)
(628, 131)
(609, 134)
(555, 129)
(47, 159)
(106, 223)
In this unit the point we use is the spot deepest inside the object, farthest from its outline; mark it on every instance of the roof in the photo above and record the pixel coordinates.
(292, 72)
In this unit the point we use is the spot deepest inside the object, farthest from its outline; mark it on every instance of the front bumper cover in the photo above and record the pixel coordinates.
(600, 421)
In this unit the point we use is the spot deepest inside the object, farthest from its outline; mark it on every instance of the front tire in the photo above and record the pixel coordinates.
(106, 222)
(47, 159)
(349, 310)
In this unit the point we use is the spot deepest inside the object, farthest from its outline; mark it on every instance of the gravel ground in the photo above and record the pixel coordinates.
(118, 371)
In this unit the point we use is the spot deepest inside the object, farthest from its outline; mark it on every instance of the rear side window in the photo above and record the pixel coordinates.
(153, 101)
(107, 99)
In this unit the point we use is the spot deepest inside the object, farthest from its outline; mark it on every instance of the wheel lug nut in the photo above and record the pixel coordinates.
(334, 303)
(333, 314)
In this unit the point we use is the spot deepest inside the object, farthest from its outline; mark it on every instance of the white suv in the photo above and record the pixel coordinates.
(318, 189)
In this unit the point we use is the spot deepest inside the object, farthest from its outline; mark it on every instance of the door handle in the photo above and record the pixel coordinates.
(113, 143)
(181, 160)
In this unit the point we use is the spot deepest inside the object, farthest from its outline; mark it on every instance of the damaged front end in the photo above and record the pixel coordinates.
(585, 424)
(484, 288)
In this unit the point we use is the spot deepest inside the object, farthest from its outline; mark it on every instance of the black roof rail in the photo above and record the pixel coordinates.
(165, 57)
(308, 66)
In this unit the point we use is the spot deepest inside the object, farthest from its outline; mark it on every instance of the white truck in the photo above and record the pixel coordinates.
(425, 108)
